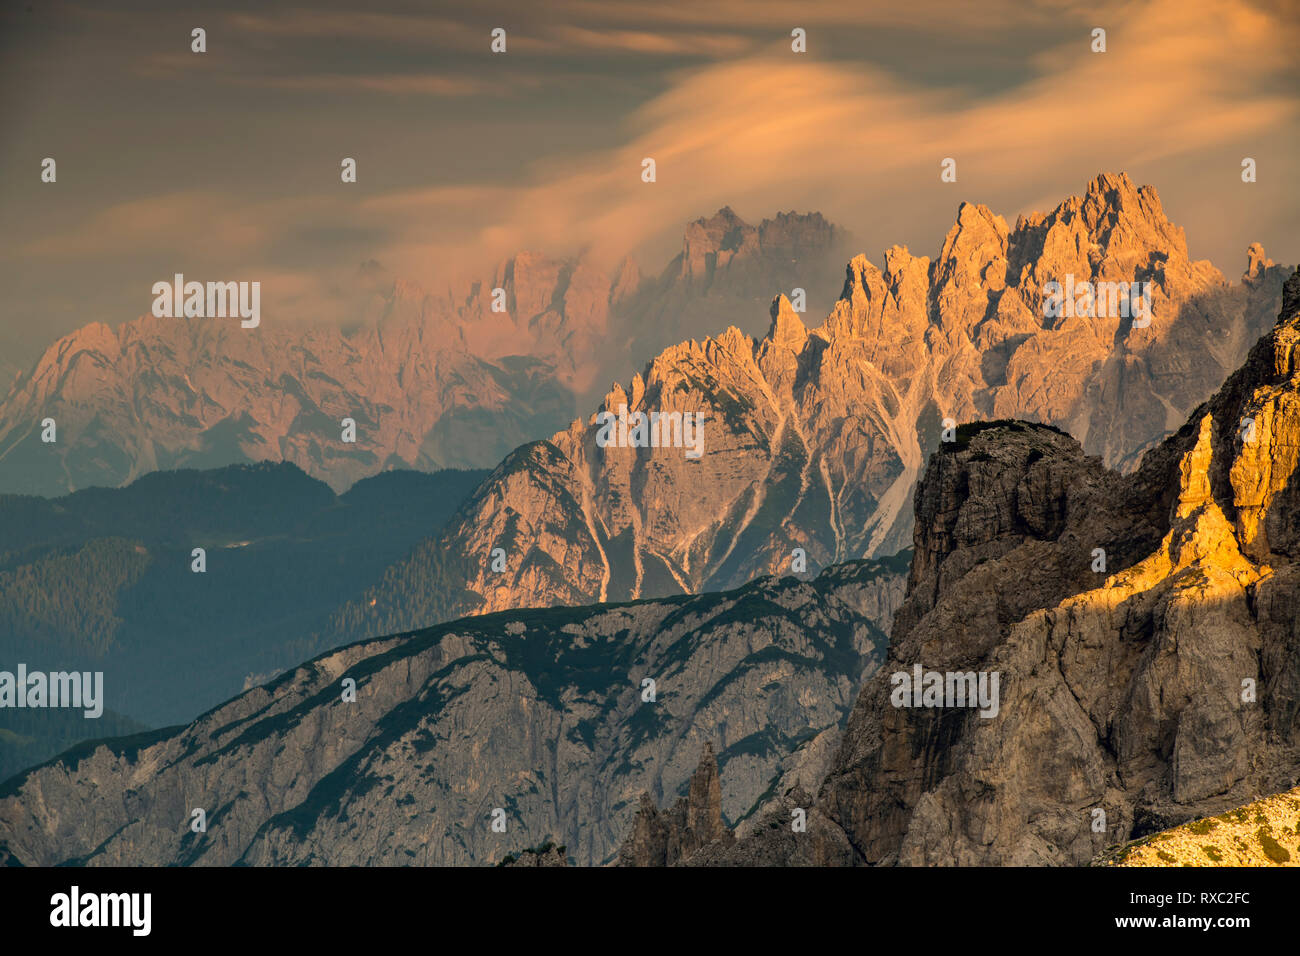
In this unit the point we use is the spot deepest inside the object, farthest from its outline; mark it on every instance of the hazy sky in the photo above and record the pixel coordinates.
(225, 165)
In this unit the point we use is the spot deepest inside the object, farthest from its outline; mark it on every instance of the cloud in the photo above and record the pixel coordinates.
(152, 224)
(246, 70)
(780, 16)
(302, 23)
(777, 129)
(1186, 89)
(649, 42)
(527, 31)
(397, 84)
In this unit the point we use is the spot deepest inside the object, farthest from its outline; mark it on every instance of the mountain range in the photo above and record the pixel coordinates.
(516, 615)
(544, 714)
(813, 439)
(432, 380)
(1145, 649)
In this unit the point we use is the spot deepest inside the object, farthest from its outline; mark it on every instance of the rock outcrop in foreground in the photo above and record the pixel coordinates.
(1262, 833)
(549, 723)
(1161, 689)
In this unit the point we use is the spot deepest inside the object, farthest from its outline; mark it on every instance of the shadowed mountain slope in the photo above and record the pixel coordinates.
(545, 714)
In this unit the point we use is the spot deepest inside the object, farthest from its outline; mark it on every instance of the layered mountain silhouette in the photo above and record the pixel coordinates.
(103, 580)
(813, 439)
(1158, 687)
(1160, 690)
(435, 380)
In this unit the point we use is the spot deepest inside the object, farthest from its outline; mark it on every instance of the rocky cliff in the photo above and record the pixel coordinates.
(1143, 628)
(813, 438)
(548, 854)
(551, 722)
(694, 821)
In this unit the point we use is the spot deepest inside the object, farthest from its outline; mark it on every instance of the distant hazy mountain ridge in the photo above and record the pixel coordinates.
(437, 380)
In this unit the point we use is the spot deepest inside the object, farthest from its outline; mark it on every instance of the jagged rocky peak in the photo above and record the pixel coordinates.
(664, 838)
(795, 234)
(787, 329)
(975, 249)
(1121, 215)
(712, 244)
(548, 854)
(1116, 231)
(722, 233)
(1258, 265)
(425, 373)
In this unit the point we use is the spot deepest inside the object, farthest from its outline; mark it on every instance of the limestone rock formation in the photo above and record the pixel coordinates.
(694, 821)
(727, 273)
(548, 854)
(161, 393)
